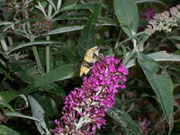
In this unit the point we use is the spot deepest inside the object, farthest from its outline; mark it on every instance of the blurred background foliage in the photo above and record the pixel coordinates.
(43, 43)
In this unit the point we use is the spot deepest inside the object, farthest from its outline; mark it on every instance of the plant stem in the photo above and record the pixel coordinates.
(117, 42)
(48, 38)
(47, 56)
(135, 49)
(130, 38)
(129, 57)
(36, 55)
(34, 48)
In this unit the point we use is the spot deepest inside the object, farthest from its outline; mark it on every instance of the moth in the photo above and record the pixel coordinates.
(92, 56)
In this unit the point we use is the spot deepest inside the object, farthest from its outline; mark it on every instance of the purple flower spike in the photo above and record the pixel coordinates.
(85, 107)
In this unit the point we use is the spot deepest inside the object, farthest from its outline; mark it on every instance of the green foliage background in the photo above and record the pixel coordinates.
(43, 44)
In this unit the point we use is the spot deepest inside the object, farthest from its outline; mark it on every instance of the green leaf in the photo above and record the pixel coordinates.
(105, 21)
(38, 112)
(55, 89)
(25, 20)
(41, 6)
(127, 14)
(77, 6)
(124, 50)
(5, 23)
(157, 56)
(177, 38)
(130, 38)
(125, 121)
(52, 3)
(2, 71)
(15, 114)
(161, 83)
(4, 103)
(164, 56)
(73, 16)
(61, 73)
(153, 1)
(9, 95)
(17, 67)
(174, 38)
(14, 48)
(59, 3)
(64, 29)
(87, 35)
(69, 2)
(4, 130)
(45, 103)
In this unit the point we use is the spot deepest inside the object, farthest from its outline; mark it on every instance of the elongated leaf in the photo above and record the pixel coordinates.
(66, 16)
(177, 38)
(127, 14)
(4, 103)
(25, 101)
(157, 56)
(174, 38)
(4, 130)
(77, 6)
(1, 36)
(69, 2)
(164, 56)
(64, 30)
(25, 20)
(153, 1)
(5, 23)
(15, 114)
(38, 113)
(59, 3)
(9, 95)
(52, 3)
(87, 35)
(105, 21)
(17, 67)
(55, 89)
(125, 121)
(41, 6)
(31, 44)
(4, 45)
(161, 83)
(61, 73)
(45, 103)
(2, 71)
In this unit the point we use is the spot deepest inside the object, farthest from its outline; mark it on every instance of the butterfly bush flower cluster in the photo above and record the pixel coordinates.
(164, 21)
(85, 107)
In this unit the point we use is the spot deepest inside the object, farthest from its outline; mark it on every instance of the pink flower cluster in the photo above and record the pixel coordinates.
(85, 107)
(164, 21)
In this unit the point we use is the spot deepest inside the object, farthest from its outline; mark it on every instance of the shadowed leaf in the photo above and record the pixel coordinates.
(86, 40)
(61, 73)
(4, 130)
(161, 83)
